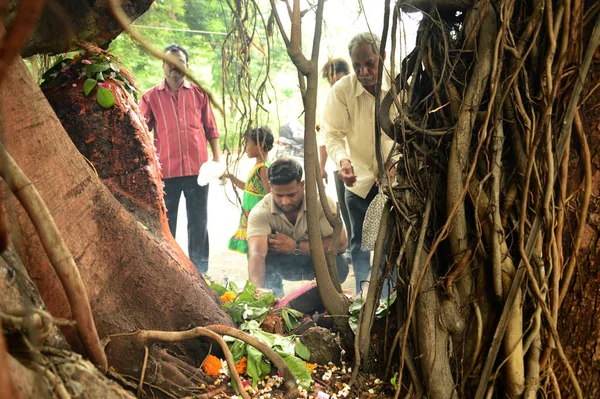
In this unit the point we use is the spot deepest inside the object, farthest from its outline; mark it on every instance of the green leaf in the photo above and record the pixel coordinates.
(353, 322)
(394, 381)
(299, 369)
(290, 317)
(256, 366)
(356, 305)
(284, 344)
(218, 288)
(57, 81)
(100, 77)
(385, 304)
(238, 350)
(231, 285)
(88, 85)
(302, 350)
(105, 97)
(95, 68)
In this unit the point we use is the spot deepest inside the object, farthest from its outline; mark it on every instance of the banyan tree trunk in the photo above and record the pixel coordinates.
(117, 143)
(135, 278)
(578, 323)
(26, 371)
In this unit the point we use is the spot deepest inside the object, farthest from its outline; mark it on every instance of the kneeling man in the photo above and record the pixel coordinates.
(278, 232)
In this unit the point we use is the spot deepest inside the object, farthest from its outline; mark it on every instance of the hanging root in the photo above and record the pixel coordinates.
(57, 252)
(6, 386)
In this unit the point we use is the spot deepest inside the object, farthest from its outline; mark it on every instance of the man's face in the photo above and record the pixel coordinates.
(288, 197)
(170, 70)
(365, 64)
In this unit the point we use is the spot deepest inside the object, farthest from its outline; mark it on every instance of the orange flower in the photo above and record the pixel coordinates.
(228, 296)
(212, 366)
(311, 366)
(241, 366)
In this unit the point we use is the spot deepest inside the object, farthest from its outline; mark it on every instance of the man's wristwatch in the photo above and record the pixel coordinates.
(297, 249)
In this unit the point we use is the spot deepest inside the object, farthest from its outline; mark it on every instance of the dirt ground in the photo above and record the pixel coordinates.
(223, 218)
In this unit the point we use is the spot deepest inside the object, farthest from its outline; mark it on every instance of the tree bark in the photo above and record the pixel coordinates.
(134, 279)
(578, 324)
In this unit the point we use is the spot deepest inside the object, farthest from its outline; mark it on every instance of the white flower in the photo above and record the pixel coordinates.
(247, 312)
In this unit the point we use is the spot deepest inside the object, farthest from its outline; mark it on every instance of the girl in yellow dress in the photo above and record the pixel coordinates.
(259, 142)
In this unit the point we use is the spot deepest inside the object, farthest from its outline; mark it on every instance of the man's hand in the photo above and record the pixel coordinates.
(279, 242)
(324, 175)
(346, 173)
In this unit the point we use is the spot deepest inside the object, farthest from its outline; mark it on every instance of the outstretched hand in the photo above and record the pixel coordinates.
(346, 173)
(280, 243)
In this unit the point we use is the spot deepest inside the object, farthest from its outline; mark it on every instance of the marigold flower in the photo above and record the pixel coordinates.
(311, 366)
(212, 365)
(228, 296)
(240, 367)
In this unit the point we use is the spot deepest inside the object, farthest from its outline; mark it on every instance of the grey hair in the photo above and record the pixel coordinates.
(365, 38)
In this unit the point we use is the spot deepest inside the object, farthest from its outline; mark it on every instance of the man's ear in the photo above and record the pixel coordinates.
(302, 184)
(383, 55)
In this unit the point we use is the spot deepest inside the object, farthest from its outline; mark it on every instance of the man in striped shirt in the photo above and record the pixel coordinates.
(348, 133)
(182, 119)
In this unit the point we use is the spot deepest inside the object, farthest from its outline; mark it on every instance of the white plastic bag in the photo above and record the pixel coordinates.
(210, 170)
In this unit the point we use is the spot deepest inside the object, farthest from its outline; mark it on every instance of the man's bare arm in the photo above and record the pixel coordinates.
(214, 147)
(257, 248)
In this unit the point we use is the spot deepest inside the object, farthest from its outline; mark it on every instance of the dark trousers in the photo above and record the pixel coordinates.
(294, 268)
(361, 260)
(196, 201)
(341, 194)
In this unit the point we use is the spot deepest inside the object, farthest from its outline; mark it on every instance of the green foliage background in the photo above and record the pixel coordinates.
(201, 27)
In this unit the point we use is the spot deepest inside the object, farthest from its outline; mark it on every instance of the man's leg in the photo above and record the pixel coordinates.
(196, 198)
(343, 268)
(172, 194)
(289, 267)
(361, 260)
(341, 194)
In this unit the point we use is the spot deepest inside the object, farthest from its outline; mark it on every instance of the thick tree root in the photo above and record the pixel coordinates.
(290, 381)
(58, 253)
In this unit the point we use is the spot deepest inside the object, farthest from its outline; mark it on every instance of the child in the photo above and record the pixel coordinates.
(259, 142)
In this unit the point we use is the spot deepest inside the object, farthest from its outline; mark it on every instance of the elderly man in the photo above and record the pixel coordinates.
(278, 232)
(180, 114)
(348, 133)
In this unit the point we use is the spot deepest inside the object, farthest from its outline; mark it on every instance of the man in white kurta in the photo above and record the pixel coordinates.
(349, 136)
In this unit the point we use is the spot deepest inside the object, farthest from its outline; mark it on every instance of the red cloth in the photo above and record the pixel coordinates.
(182, 127)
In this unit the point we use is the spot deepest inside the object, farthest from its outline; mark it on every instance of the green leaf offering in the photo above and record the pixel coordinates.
(299, 369)
(291, 317)
(100, 67)
(256, 366)
(88, 86)
(302, 350)
(105, 97)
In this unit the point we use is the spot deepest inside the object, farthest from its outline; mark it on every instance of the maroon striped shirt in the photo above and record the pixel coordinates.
(182, 127)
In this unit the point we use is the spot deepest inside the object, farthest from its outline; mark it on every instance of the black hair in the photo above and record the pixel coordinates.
(262, 136)
(333, 67)
(176, 47)
(284, 171)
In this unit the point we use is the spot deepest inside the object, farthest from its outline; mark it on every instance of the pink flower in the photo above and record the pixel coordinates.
(87, 62)
(103, 84)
